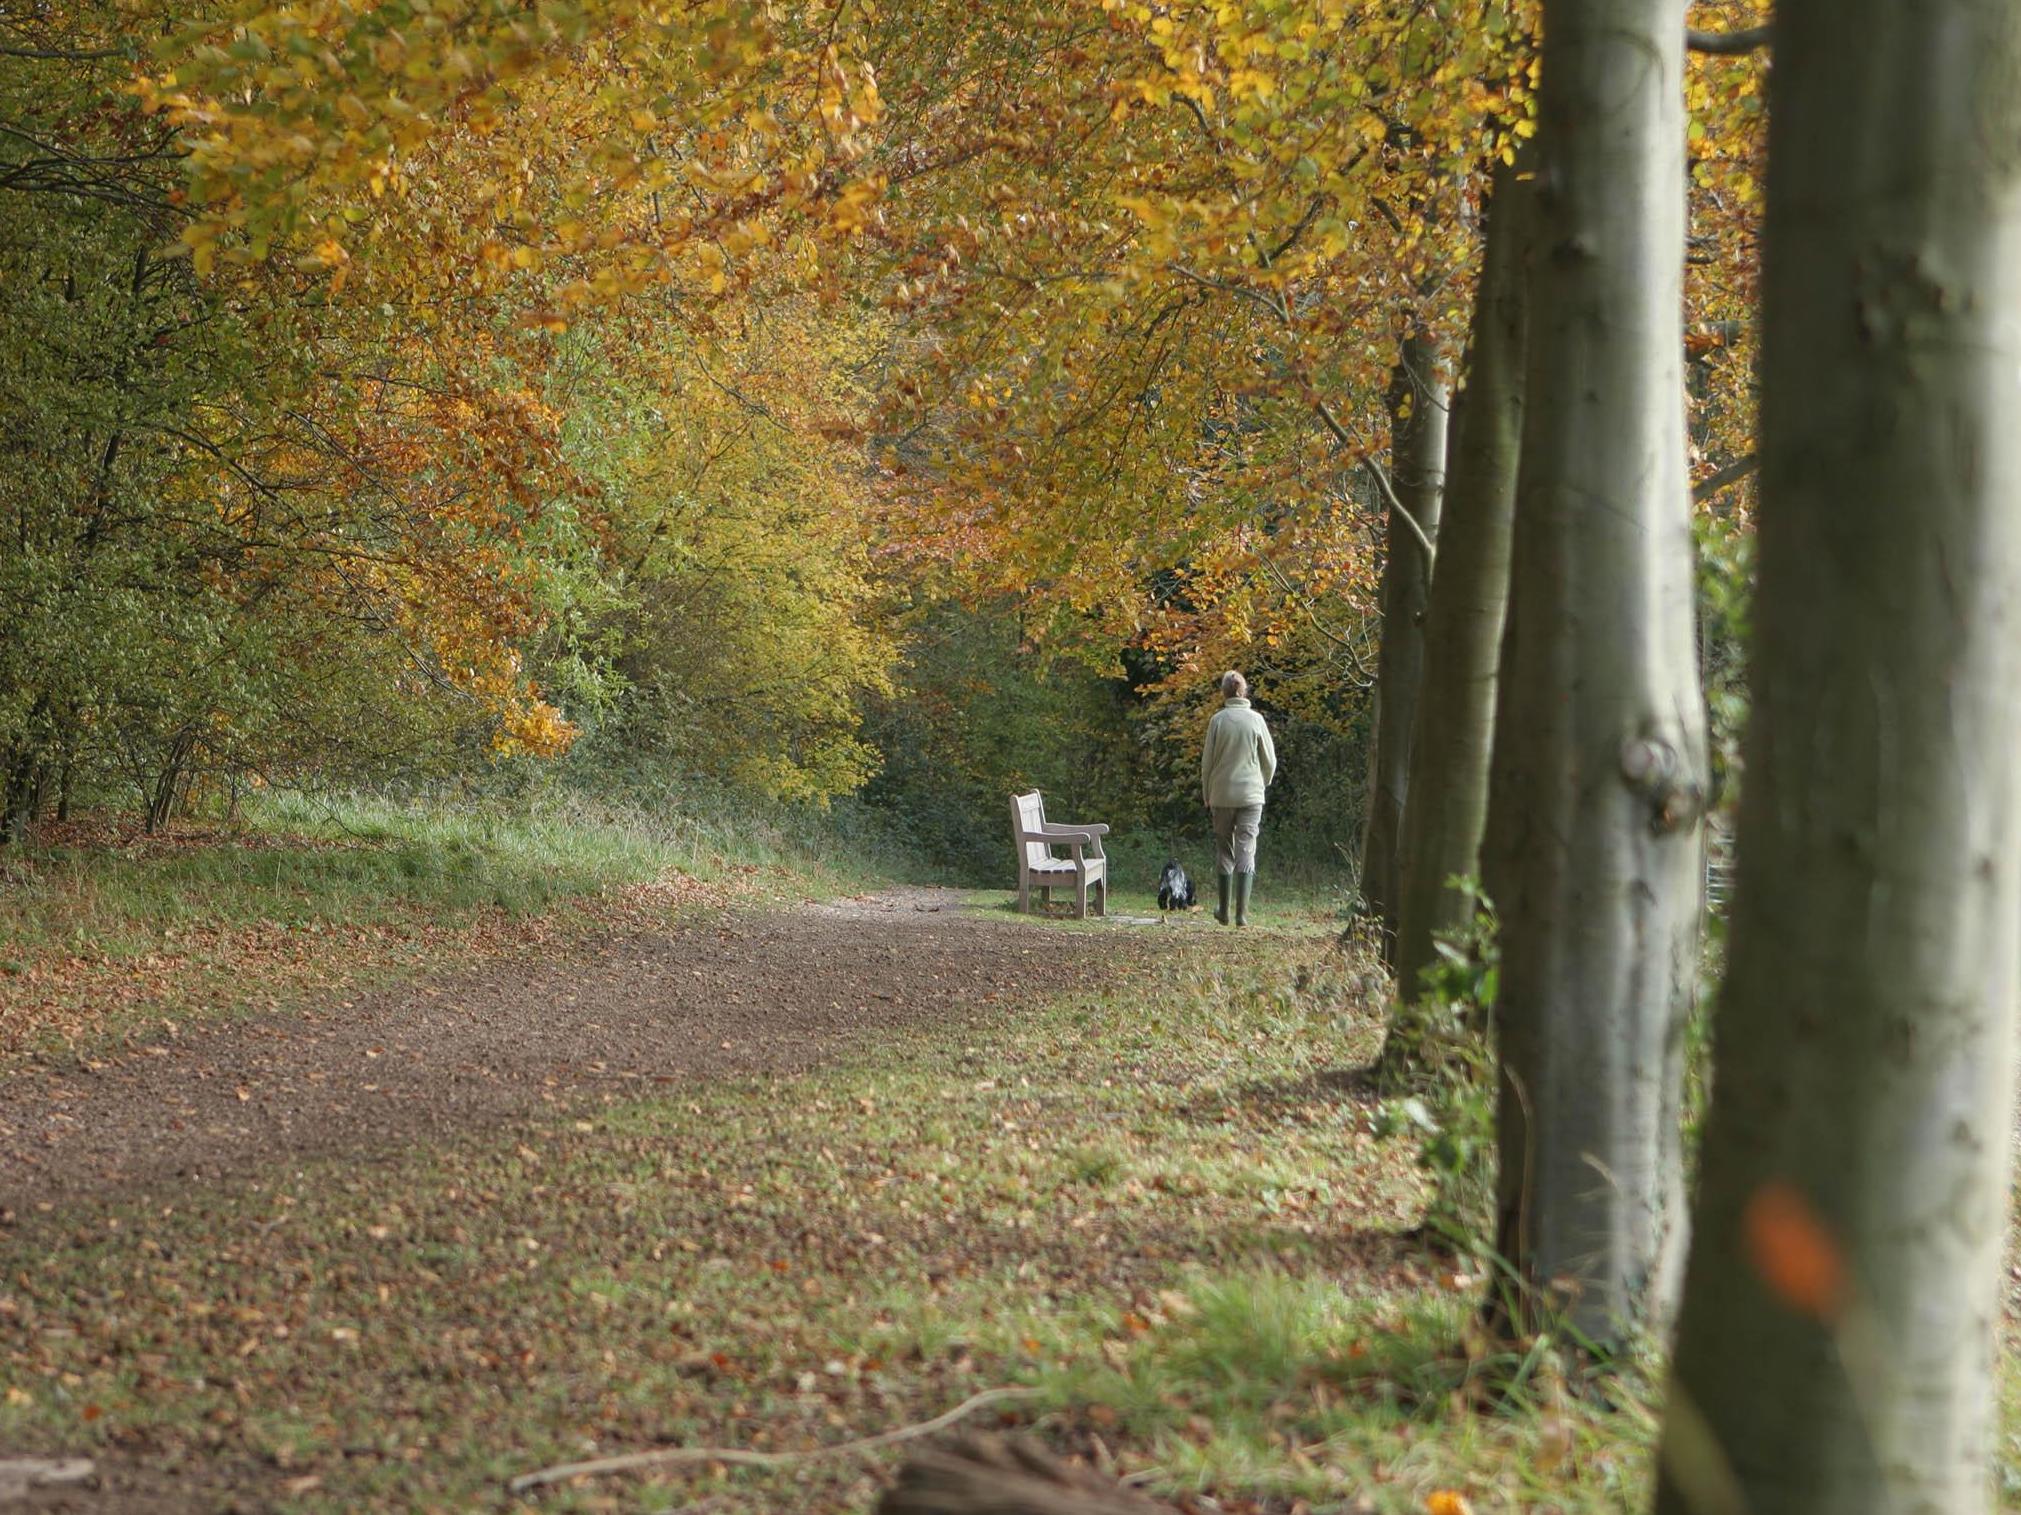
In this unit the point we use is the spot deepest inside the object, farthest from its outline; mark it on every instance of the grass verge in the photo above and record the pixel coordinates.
(1291, 889)
(107, 934)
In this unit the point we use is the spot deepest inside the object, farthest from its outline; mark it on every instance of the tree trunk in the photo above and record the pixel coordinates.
(1600, 754)
(169, 783)
(1419, 396)
(1836, 1346)
(21, 776)
(18, 798)
(1448, 807)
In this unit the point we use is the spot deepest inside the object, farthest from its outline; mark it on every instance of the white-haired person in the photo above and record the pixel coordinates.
(1237, 762)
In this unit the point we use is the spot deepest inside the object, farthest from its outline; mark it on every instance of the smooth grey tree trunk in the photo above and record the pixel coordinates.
(1448, 786)
(1836, 1347)
(1600, 757)
(1419, 399)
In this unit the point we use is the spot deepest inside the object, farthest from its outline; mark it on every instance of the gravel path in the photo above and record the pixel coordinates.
(751, 992)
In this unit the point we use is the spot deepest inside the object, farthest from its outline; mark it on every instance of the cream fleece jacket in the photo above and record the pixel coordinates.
(1237, 761)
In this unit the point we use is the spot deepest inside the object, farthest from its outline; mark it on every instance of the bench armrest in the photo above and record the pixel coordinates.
(1073, 838)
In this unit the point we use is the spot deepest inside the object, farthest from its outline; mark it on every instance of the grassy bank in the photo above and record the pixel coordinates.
(106, 932)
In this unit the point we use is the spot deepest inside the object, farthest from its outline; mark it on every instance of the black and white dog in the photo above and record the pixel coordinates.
(1175, 890)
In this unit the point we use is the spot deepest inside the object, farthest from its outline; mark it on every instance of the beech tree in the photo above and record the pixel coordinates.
(1600, 744)
(1836, 1341)
(1419, 399)
(1465, 614)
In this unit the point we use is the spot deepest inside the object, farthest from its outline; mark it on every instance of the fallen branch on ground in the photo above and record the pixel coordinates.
(673, 1456)
(989, 1477)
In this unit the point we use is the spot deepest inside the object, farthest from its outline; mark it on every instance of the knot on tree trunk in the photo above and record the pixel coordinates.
(1658, 772)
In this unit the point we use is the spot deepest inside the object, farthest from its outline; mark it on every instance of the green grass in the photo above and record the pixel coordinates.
(1291, 894)
(1288, 1385)
(1290, 885)
(368, 859)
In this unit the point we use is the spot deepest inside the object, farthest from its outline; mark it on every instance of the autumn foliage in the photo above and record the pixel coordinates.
(393, 385)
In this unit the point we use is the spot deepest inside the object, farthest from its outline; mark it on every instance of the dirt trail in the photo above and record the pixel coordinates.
(750, 992)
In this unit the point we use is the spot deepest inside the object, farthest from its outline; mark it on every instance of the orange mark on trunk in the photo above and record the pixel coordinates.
(1794, 1253)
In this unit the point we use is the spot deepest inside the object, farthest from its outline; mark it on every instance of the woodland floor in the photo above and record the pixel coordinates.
(753, 992)
(760, 1177)
(766, 1177)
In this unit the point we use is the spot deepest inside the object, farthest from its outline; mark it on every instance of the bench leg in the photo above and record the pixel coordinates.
(1081, 901)
(1024, 894)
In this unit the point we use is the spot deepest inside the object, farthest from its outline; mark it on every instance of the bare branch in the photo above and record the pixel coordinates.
(66, 55)
(753, 406)
(1725, 478)
(1397, 505)
(1367, 679)
(1333, 426)
(1291, 237)
(1728, 44)
(668, 1455)
(1225, 287)
(1200, 116)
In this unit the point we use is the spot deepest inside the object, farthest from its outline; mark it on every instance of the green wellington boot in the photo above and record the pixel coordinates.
(1242, 883)
(1221, 910)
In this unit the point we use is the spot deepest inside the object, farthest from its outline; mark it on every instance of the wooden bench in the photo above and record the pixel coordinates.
(1039, 869)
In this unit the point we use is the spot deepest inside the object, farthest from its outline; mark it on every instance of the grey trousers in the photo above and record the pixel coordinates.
(1235, 828)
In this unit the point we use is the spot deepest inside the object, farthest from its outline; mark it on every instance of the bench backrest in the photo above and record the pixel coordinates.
(1028, 813)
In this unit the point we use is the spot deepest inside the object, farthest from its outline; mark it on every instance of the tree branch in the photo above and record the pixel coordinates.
(1725, 478)
(1397, 505)
(1291, 237)
(66, 55)
(1242, 291)
(1353, 653)
(1333, 426)
(1728, 44)
(1200, 116)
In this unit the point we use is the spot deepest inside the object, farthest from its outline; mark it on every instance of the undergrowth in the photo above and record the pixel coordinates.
(1444, 1089)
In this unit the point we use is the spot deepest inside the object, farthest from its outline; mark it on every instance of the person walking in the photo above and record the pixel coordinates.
(1237, 763)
